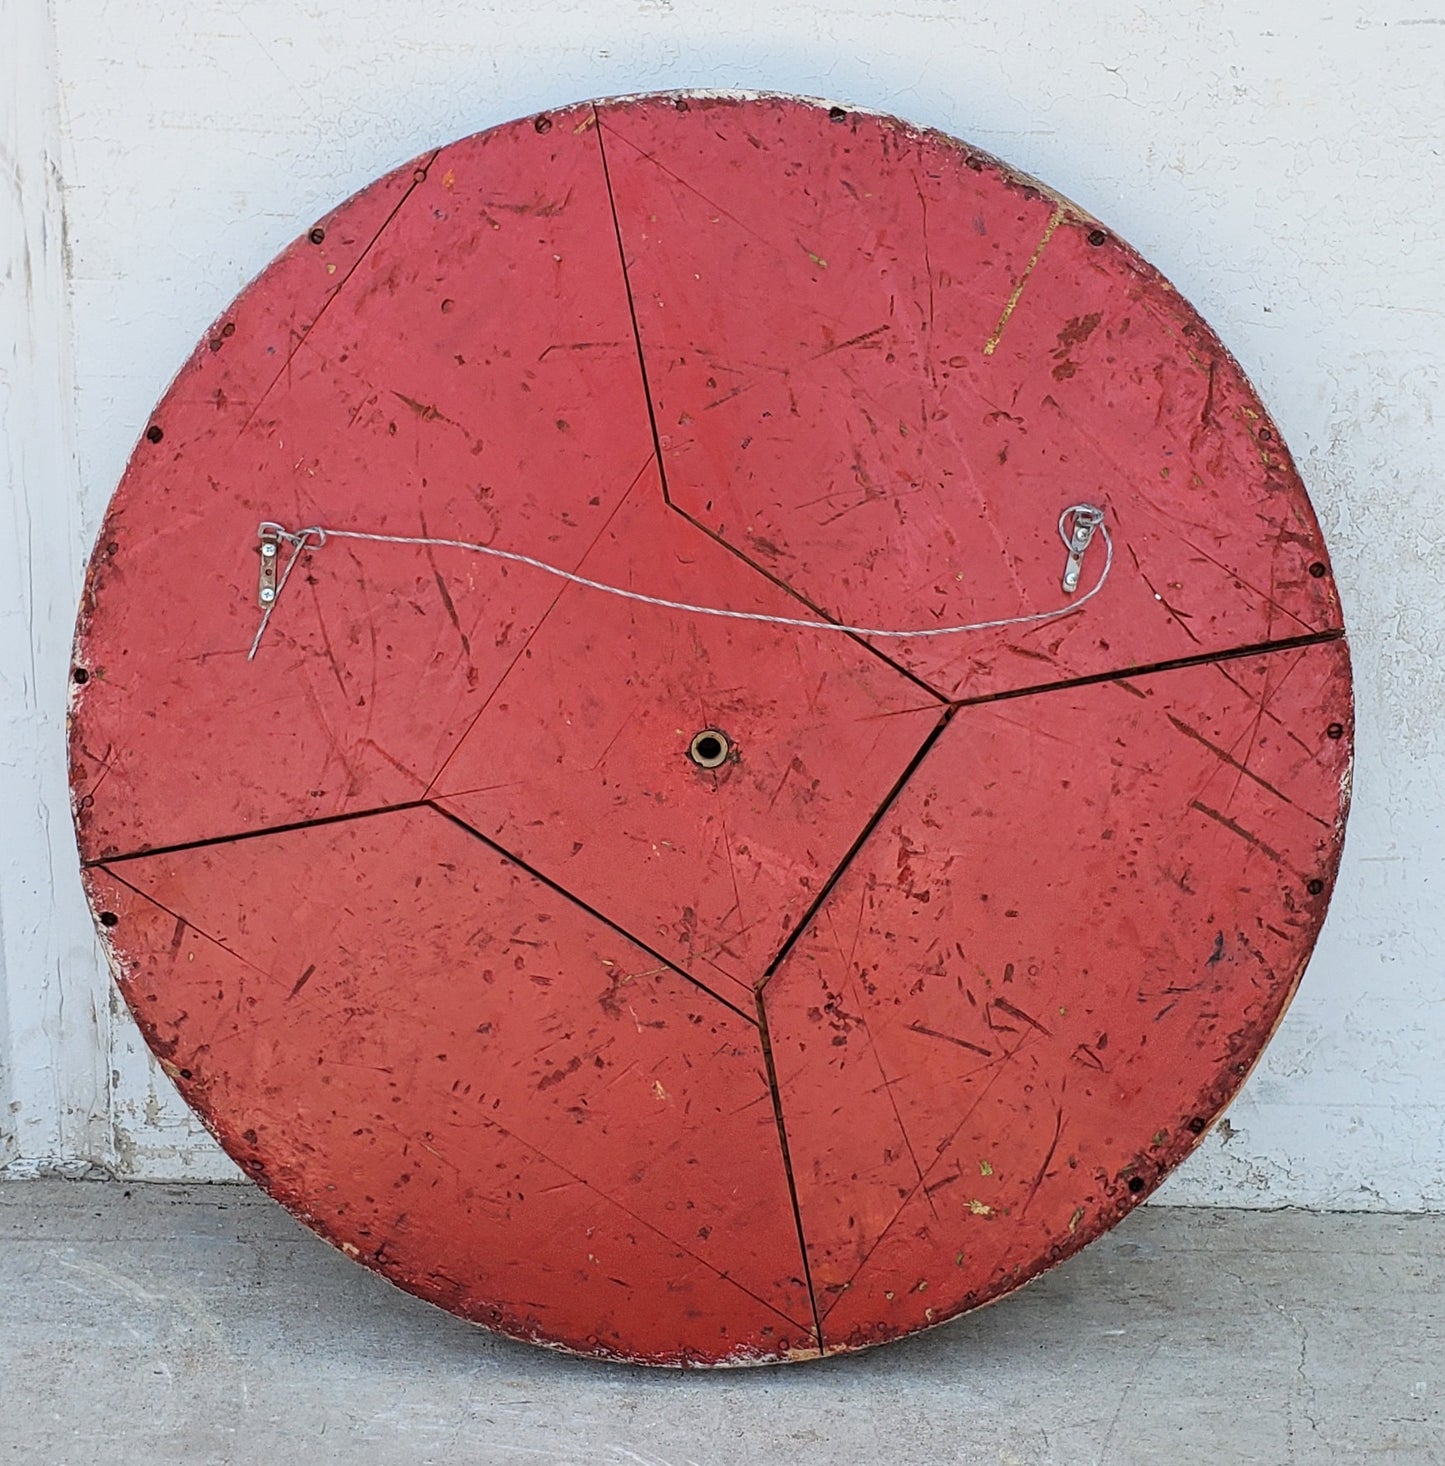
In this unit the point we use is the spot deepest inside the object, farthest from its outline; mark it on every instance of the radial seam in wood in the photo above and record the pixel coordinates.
(631, 309)
(806, 920)
(662, 466)
(519, 1139)
(818, 611)
(1059, 214)
(487, 1120)
(1199, 659)
(330, 300)
(237, 836)
(641, 1220)
(777, 1094)
(582, 905)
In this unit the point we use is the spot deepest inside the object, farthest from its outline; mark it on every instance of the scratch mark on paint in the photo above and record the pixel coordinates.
(1055, 219)
(423, 164)
(1234, 763)
(1048, 1161)
(578, 346)
(1181, 617)
(963, 1043)
(1236, 829)
(1007, 1007)
(1272, 687)
(743, 923)
(927, 257)
(1235, 575)
(999, 1066)
(742, 387)
(537, 625)
(1206, 411)
(425, 410)
(326, 639)
(447, 604)
(676, 178)
(852, 341)
(107, 763)
(877, 1057)
(395, 762)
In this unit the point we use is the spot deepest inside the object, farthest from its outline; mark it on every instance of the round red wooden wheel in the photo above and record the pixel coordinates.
(676, 988)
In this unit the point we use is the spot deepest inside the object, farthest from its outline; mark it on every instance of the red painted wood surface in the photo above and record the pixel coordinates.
(587, 778)
(474, 372)
(472, 1082)
(428, 912)
(881, 365)
(1054, 958)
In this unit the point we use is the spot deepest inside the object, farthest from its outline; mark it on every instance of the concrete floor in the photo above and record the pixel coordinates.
(195, 1325)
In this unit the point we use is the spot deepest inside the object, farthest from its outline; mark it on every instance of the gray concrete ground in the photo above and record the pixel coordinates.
(196, 1325)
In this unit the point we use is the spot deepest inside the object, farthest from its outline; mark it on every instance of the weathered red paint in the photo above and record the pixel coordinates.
(504, 399)
(1027, 1026)
(467, 1080)
(587, 778)
(428, 913)
(882, 364)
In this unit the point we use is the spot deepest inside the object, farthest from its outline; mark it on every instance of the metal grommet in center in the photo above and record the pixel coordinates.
(709, 749)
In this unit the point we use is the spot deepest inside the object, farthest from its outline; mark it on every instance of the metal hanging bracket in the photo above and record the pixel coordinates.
(1086, 519)
(270, 536)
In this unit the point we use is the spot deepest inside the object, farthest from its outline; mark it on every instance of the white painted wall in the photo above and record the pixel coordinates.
(1281, 163)
(53, 1097)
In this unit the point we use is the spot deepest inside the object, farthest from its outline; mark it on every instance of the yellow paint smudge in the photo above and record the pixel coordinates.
(1055, 219)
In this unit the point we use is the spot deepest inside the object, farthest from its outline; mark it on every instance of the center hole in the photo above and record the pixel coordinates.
(709, 749)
